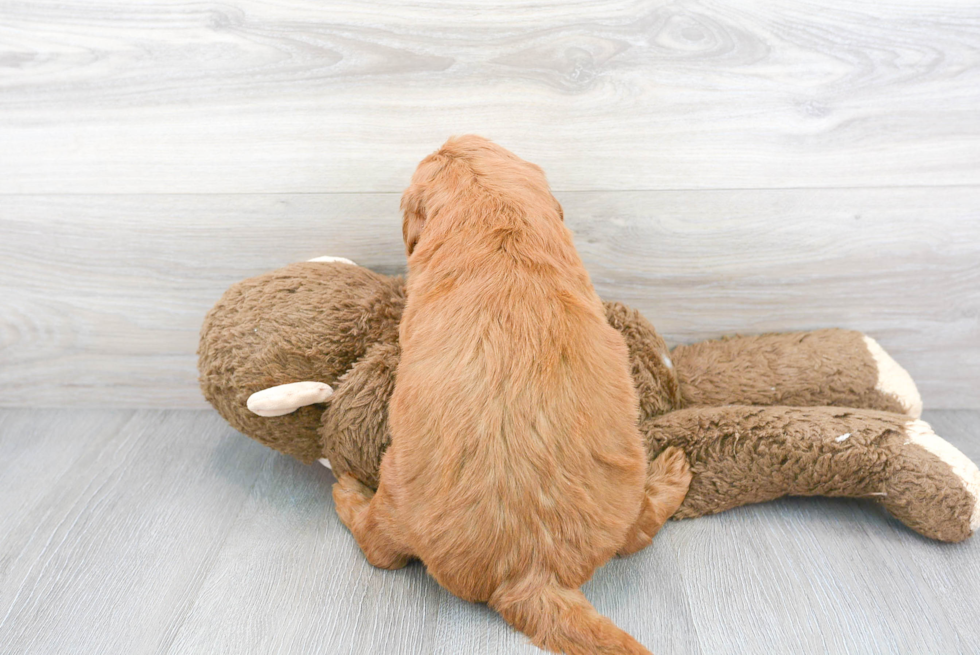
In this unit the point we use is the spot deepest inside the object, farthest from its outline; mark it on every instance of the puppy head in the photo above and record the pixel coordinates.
(464, 168)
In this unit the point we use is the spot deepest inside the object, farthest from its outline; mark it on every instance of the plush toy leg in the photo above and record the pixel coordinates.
(839, 368)
(363, 512)
(742, 455)
(668, 479)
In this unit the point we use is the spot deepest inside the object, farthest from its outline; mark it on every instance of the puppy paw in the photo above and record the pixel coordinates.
(350, 497)
(669, 473)
(668, 479)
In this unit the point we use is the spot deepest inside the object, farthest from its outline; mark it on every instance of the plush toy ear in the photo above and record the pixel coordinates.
(287, 398)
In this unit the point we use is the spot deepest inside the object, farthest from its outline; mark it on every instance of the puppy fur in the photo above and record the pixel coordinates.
(515, 467)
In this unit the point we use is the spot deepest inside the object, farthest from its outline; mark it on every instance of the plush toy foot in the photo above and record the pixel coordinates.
(921, 487)
(743, 454)
(354, 507)
(668, 478)
(893, 380)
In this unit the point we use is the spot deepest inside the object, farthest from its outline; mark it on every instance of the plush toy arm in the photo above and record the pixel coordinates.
(839, 368)
(354, 432)
(742, 454)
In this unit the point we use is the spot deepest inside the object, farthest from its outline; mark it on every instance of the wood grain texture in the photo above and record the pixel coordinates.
(102, 96)
(101, 308)
(108, 555)
(643, 594)
(288, 581)
(166, 531)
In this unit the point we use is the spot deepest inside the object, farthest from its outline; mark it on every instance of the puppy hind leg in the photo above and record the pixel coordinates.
(360, 509)
(668, 479)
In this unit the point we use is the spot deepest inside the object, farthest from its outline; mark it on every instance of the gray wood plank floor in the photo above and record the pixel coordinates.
(132, 531)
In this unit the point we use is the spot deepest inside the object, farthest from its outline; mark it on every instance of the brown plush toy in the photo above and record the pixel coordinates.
(303, 359)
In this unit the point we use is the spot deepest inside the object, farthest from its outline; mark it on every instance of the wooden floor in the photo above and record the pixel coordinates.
(146, 531)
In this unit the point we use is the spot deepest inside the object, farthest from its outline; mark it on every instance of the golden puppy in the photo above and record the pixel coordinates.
(515, 467)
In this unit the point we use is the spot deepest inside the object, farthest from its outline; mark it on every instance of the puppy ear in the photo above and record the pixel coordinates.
(561, 212)
(413, 217)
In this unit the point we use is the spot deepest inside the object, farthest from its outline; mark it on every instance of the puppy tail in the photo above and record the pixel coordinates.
(561, 620)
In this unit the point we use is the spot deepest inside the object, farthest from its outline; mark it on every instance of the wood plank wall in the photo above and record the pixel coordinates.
(727, 166)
